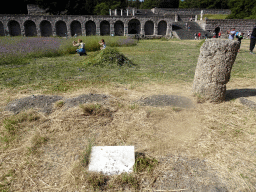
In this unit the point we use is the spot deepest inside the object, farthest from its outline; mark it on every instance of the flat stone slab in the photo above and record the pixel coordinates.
(167, 100)
(111, 160)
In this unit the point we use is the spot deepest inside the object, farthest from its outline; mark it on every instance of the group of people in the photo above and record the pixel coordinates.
(233, 34)
(81, 46)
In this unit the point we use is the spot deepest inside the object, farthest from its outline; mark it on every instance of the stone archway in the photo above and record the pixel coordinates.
(90, 28)
(149, 28)
(134, 26)
(46, 28)
(61, 28)
(76, 28)
(119, 28)
(30, 28)
(162, 27)
(14, 28)
(1, 29)
(104, 28)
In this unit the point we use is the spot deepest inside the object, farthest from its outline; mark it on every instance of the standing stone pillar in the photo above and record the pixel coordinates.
(68, 30)
(127, 12)
(6, 29)
(202, 14)
(213, 68)
(83, 29)
(110, 12)
(22, 30)
(125, 29)
(176, 18)
(112, 29)
(155, 29)
(169, 30)
(115, 12)
(142, 31)
(97, 28)
(121, 12)
(196, 18)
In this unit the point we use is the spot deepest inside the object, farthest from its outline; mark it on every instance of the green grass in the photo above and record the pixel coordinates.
(213, 16)
(155, 60)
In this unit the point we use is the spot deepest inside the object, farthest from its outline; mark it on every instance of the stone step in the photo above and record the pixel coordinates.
(183, 33)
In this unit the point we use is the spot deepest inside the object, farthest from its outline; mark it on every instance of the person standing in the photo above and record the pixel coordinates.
(253, 40)
(199, 35)
(232, 34)
(195, 36)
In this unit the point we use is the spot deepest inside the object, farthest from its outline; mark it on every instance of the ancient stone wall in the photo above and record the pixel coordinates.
(70, 25)
(241, 25)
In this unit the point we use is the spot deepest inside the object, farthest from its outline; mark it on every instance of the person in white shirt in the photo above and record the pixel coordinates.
(232, 34)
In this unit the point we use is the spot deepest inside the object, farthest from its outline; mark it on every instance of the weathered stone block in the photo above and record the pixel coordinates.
(213, 69)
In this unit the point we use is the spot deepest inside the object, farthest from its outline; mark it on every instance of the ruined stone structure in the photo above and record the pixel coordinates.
(148, 22)
(155, 22)
(213, 69)
(68, 25)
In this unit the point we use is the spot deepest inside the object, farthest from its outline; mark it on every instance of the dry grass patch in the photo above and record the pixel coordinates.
(220, 135)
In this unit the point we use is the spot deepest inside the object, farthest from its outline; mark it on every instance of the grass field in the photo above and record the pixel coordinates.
(50, 152)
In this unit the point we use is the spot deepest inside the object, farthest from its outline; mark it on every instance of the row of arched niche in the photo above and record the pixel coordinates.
(46, 29)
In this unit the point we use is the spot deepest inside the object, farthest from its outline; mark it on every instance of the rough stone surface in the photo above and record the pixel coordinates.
(167, 100)
(213, 68)
(85, 98)
(248, 103)
(42, 102)
(45, 103)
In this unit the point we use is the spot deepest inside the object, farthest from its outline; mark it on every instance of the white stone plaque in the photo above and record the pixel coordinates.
(112, 160)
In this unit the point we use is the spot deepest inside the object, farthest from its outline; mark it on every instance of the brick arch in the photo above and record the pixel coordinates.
(76, 28)
(14, 28)
(149, 27)
(46, 28)
(1, 29)
(162, 27)
(119, 28)
(30, 28)
(104, 28)
(134, 26)
(90, 28)
(61, 28)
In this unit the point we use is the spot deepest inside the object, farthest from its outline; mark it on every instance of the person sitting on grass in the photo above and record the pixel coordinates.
(81, 47)
(103, 44)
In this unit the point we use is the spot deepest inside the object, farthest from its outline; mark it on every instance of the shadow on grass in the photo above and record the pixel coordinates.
(237, 93)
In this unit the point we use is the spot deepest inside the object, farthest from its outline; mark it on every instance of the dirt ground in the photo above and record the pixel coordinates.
(199, 146)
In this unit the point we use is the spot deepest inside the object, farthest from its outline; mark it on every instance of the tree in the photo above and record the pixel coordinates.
(206, 4)
(149, 4)
(242, 9)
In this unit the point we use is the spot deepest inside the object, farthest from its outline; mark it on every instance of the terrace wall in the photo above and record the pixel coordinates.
(195, 11)
(241, 25)
(70, 25)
